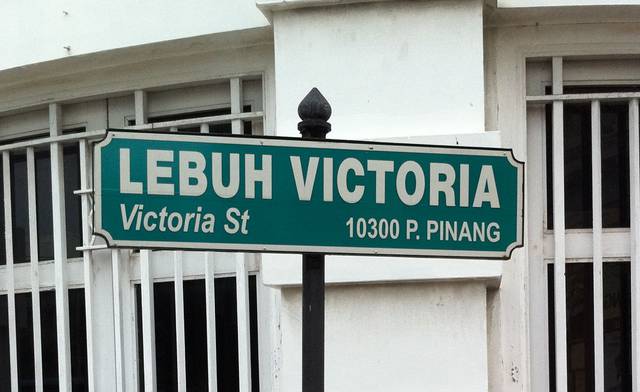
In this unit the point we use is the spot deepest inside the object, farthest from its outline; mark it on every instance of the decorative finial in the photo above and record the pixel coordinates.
(314, 110)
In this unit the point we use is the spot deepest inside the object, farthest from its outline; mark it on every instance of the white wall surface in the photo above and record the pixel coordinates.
(407, 337)
(557, 3)
(38, 30)
(388, 69)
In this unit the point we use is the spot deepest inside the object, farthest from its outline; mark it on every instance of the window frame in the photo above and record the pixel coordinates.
(578, 243)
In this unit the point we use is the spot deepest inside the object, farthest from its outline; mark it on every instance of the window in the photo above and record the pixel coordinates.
(183, 105)
(580, 331)
(20, 207)
(195, 335)
(25, 349)
(194, 305)
(596, 313)
(577, 160)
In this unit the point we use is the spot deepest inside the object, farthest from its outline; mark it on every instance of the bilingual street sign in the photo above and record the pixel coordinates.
(266, 194)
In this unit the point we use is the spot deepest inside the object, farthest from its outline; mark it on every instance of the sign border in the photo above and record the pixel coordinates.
(110, 133)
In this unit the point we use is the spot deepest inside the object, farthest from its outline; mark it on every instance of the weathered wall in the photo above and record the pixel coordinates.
(39, 30)
(407, 337)
(557, 3)
(389, 68)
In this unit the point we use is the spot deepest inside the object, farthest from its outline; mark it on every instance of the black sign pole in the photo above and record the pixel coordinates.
(314, 110)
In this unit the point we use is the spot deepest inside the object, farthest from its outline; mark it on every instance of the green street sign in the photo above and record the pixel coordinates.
(184, 191)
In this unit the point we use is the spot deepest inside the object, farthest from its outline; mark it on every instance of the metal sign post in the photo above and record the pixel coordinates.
(311, 196)
(314, 110)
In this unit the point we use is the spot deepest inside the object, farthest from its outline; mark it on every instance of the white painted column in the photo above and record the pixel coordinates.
(634, 170)
(146, 282)
(596, 180)
(210, 292)
(560, 300)
(210, 303)
(116, 268)
(179, 305)
(148, 322)
(87, 256)
(60, 249)
(242, 277)
(11, 298)
(35, 278)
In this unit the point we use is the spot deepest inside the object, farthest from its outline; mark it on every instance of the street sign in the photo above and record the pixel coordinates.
(187, 191)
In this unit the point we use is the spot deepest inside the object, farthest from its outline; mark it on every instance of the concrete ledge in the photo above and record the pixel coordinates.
(285, 270)
(562, 3)
(269, 6)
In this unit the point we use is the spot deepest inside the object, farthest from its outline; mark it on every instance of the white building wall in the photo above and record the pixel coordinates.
(403, 70)
(39, 30)
(410, 337)
(388, 69)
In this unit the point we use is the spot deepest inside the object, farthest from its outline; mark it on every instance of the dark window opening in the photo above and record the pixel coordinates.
(24, 342)
(78, 341)
(49, 336)
(49, 344)
(614, 140)
(44, 207)
(19, 208)
(72, 202)
(5, 369)
(195, 335)
(3, 253)
(580, 332)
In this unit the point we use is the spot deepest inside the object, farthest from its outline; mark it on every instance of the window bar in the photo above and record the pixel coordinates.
(140, 102)
(618, 96)
(11, 299)
(46, 141)
(60, 249)
(559, 232)
(236, 104)
(116, 261)
(596, 175)
(537, 267)
(146, 281)
(189, 122)
(35, 280)
(210, 303)
(87, 255)
(244, 348)
(148, 322)
(634, 171)
(179, 304)
(242, 278)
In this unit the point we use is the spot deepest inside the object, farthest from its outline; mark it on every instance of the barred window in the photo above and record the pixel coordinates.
(209, 107)
(583, 121)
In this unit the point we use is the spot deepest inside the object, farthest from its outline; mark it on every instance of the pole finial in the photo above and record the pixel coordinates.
(314, 110)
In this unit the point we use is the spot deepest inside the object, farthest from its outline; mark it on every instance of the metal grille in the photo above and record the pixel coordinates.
(594, 245)
(144, 267)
